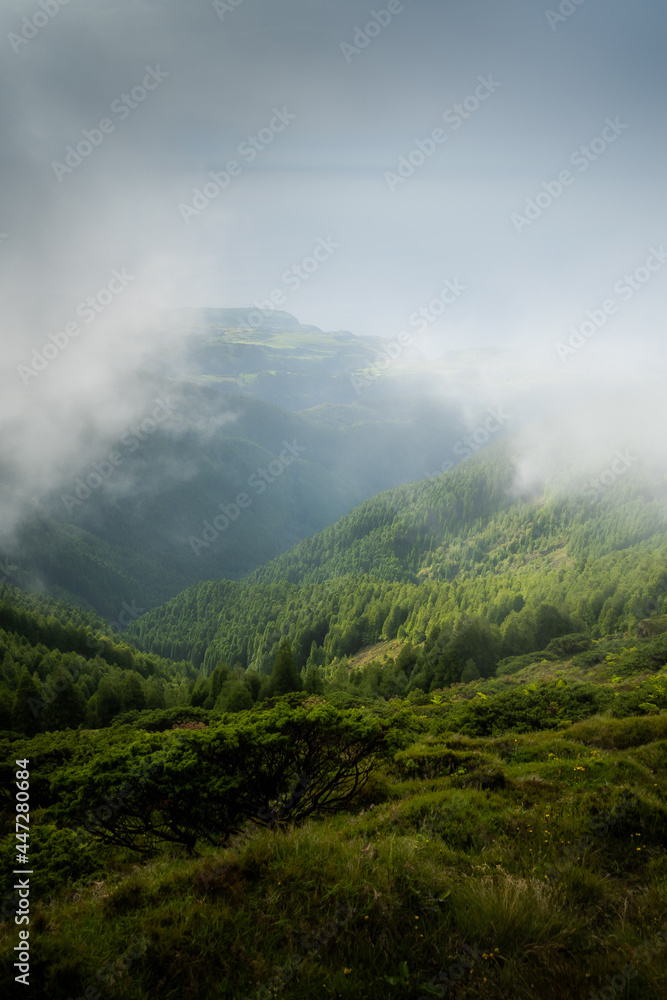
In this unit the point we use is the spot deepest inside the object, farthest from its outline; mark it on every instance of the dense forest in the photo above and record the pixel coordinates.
(61, 669)
(455, 565)
(433, 735)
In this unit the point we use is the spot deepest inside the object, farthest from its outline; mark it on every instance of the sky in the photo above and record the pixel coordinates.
(354, 111)
(365, 156)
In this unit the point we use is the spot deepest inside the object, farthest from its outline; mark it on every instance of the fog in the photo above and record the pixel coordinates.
(160, 155)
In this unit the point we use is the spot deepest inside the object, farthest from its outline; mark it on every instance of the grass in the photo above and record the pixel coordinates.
(545, 882)
(389, 647)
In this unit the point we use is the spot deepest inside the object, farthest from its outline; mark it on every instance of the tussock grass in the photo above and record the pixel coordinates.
(620, 734)
(542, 887)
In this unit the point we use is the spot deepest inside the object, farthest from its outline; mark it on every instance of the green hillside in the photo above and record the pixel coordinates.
(457, 563)
(60, 667)
(419, 755)
(503, 840)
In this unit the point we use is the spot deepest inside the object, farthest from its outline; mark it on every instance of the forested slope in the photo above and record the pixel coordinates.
(60, 668)
(457, 554)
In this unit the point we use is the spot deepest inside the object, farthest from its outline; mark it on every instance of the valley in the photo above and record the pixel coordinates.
(438, 723)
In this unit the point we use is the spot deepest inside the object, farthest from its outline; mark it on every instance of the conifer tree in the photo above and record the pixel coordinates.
(284, 677)
(28, 705)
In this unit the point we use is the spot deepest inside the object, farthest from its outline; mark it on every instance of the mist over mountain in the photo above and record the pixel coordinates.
(153, 477)
(333, 500)
(241, 433)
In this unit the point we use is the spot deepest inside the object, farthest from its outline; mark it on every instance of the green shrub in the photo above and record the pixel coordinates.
(567, 645)
(529, 709)
(57, 858)
(179, 787)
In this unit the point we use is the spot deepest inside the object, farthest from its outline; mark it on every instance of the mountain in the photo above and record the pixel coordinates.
(437, 727)
(141, 511)
(141, 529)
(99, 533)
(462, 562)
